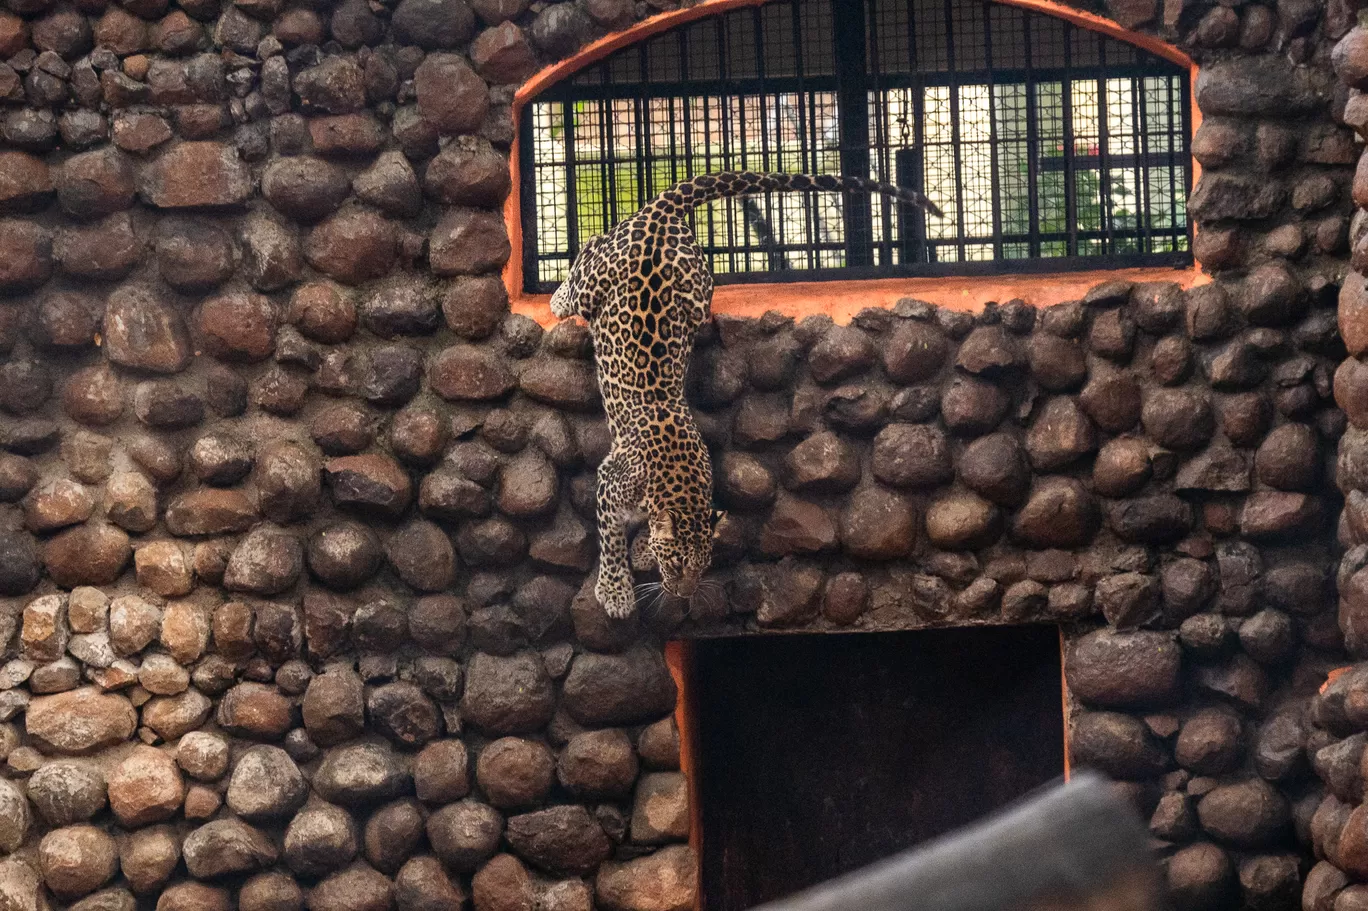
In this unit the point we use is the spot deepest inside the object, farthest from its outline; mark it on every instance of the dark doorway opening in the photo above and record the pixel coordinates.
(819, 754)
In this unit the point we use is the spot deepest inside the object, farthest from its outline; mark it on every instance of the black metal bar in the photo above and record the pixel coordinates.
(1032, 146)
(1070, 188)
(848, 32)
(993, 175)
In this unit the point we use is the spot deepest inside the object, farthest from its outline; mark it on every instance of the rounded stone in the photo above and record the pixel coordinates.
(203, 755)
(963, 522)
(911, 455)
(80, 721)
(465, 834)
(1124, 669)
(423, 885)
(344, 554)
(1059, 513)
(15, 818)
(334, 707)
(265, 785)
(995, 467)
(145, 787)
(507, 695)
(404, 714)
(65, 792)
(514, 772)
(1289, 458)
(1178, 418)
(271, 891)
(360, 774)
(1246, 814)
(392, 834)
(320, 839)
(358, 888)
(227, 847)
(598, 764)
(422, 556)
(77, 860)
(441, 772)
(1209, 742)
(323, 312)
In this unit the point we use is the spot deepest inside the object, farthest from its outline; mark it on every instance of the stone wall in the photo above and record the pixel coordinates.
(296, 533)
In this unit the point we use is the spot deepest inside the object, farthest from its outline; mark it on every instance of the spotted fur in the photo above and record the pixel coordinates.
(645, 289)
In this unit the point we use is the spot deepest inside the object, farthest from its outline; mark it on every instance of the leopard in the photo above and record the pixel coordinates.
(645, 289)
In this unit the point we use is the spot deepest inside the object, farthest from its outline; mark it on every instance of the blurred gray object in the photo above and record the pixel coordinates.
(1074, 847)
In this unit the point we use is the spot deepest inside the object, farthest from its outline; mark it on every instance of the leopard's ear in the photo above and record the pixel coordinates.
(717, 516)
(662, 526)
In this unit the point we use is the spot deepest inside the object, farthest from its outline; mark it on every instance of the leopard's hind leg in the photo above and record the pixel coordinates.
(617, 496)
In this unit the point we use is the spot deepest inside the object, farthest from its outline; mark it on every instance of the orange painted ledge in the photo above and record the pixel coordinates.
(841, 300)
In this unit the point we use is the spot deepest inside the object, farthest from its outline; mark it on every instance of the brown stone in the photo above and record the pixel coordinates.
(663, 881)
(358, 888)
(1122, 669)
(514, 772)
(465, 834)
(507, 695)
(164, 568)
(797, 526)
(209, 511)
(564, 840)
(598, 764)
(1247, 814)
(193, 256)
(196, 174)
(145, 333)
(423, 885)
(468, 172)
(618, 689)
(963, 522)
(441, 772)
(193, 896)
(94, 554)
(237, 327)
(304, 188)
(1112, 400)
(256, 711)
(352, 246)
(470, 373)
(25, 255)
(265, 562)
(373, 483)
(145, 787)
(878, 524)
(451, 96)
(25, 183)
(911, 455)
(1058, 513)
(468, 242)
(93, 184)
(323, 312)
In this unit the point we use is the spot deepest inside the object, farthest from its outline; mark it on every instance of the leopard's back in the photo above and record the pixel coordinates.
(658, 294)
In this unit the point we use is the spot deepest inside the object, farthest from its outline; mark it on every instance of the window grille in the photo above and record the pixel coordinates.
(1048, 146)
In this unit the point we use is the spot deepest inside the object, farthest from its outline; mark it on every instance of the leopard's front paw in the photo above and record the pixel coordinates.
(618, 601)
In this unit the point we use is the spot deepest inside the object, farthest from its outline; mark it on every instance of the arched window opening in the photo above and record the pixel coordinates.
(1049, 146)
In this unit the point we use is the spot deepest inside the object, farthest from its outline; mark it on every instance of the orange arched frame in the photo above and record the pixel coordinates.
(841, 299)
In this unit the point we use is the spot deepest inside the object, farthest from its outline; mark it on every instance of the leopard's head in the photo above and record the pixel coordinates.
(681, 542)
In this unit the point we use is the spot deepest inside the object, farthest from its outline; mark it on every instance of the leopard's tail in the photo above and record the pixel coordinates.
(697, 191)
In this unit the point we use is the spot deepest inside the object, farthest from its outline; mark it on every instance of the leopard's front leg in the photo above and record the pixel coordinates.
(614, 589)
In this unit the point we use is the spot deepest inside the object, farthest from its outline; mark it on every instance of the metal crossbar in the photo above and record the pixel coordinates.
(1048, 146)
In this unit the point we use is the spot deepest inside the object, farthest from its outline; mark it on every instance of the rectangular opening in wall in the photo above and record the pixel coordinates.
(819, 754)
